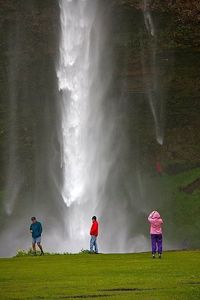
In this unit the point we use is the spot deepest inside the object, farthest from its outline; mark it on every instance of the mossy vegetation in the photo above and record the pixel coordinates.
(182, 209)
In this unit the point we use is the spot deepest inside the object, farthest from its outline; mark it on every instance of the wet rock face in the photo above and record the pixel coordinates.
(186, 10)
(177, 42)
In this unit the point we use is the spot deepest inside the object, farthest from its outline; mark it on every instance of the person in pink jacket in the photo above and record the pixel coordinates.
(156, 232)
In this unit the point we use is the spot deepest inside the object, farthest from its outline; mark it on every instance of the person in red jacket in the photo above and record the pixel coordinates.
(94, 234)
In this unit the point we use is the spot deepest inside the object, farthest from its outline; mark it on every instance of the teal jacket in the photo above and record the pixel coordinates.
(36, 229)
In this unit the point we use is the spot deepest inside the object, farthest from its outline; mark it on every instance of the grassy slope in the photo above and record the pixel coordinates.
(176, 276)
(182, 210)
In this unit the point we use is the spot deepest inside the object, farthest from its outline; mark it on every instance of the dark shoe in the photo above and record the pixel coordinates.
(153, 256)
(159, 256)
(42, 253)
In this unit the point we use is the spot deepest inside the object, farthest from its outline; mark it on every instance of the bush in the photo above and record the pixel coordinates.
(84, 251)
(30, 252)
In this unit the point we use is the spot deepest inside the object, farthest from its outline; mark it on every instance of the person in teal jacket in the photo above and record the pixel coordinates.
(36, 231)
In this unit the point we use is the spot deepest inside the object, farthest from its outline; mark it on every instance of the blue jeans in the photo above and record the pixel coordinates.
(93, 244)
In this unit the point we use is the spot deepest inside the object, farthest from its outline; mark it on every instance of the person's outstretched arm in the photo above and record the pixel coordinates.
(150, 217)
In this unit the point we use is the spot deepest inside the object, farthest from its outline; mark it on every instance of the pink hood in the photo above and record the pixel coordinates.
(155, 222)
(155, 215)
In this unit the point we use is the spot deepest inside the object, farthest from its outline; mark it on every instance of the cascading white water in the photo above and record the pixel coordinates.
(74, 82)
(81, 98)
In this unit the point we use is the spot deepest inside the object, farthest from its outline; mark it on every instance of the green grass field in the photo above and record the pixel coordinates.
(106, 276)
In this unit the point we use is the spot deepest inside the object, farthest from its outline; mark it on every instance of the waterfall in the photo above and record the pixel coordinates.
(151, 74)
(74, 80)
(82, 94)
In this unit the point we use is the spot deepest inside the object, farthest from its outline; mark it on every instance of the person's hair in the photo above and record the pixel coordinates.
(33, 218)
(94, 218)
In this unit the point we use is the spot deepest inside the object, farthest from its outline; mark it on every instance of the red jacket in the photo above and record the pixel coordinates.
(94, 228)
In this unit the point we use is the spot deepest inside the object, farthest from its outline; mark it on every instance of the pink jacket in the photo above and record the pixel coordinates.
(156, 222)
